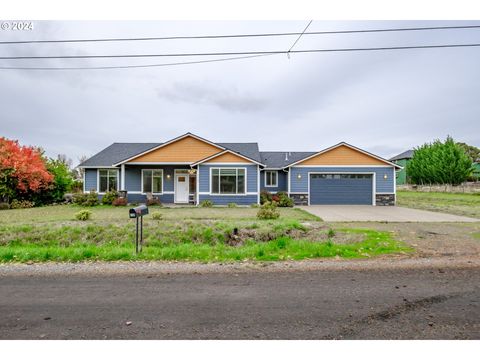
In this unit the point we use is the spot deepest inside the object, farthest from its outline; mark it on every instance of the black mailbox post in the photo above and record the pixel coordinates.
(138, 213)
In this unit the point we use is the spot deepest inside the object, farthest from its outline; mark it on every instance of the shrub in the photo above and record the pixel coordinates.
(268, 211)
(157, 216)
(206, 204)
(21, 204)
(265, 196)
(83, 215)
(120, 202)
(154, 202)
(109, 197)
(254, 206)
(284, 200)
(232, 205)
(90, 199)
(4, 206)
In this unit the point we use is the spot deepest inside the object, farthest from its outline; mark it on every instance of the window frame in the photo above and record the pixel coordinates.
(151, 190)
(117, 171)
(236, 183)
(276, 178)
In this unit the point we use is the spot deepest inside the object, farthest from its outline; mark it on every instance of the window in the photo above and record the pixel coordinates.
(152, 181)
(108, 180)
(228, 181)
(271, 178)
(193, 184)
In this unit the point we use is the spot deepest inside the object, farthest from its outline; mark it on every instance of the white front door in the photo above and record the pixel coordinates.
(181, 189)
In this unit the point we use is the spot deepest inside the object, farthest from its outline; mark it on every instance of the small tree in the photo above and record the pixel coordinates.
(22, 170)
(439, 163)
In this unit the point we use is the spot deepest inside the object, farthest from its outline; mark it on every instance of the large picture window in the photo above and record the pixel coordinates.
(152, 181)
(271, 178)
(228, 181)
(108, 180)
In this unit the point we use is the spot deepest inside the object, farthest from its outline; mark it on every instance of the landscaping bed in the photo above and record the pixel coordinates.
(187, 234)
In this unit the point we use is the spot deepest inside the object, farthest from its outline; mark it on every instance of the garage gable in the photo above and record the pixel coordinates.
(343, 154)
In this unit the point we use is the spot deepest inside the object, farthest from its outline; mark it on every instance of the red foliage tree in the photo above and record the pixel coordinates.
(22, 169)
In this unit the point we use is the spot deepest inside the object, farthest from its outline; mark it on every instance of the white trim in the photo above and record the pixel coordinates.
(98, 179)
(395, 185)
(276, 178)
(198, 185)
(142, 190)
(84, 191)
(288, 183)
(168, 143)
(374, 182)
(258, 184)
(97, 167)
(267, 169)
(224, 152)
(122, 172)
(347, 145)
(229, 168)
(176, 175)
(384, 193)
(158, 163)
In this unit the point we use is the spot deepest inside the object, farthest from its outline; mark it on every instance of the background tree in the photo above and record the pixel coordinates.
(62, 181)
(22, 170)
(472, 151)
(439, 163)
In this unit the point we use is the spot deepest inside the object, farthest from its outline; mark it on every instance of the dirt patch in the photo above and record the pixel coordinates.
(431, 239)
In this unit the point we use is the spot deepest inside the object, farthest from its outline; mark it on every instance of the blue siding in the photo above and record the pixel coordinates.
(382, 185)
(133, 176)
(225, 200)
(251, 176)
(282, 182)
(90, 179)
(140, 198)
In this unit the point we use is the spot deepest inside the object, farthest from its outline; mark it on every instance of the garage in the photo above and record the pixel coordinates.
(341, 189)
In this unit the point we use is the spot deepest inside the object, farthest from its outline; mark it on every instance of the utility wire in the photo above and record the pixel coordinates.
(237, 53)
(303, 32)
(134, 66)
(241, 35)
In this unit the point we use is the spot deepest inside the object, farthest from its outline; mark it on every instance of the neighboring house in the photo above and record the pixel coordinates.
(476, 171)
(190, 169)
(402, 160)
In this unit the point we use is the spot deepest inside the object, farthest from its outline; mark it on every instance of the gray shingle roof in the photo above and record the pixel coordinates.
(117, 152)
(404, 155)
(280, 159)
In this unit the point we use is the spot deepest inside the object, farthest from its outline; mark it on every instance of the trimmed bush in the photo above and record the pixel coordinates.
(83, 215)
(21, 204)
(232, 205)
(284, 200)
(268, 211)
(109, 197)
(157, 216)
(120, 202)
(206, 204)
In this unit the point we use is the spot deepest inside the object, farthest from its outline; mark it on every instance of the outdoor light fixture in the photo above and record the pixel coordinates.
(299, 176)
(385, 176)
(169, 176)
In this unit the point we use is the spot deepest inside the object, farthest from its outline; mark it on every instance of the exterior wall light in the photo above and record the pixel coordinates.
(169, 176)
(299, 176)
(385, 177)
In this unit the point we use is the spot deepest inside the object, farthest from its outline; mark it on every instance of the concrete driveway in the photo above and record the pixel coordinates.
(381, 213)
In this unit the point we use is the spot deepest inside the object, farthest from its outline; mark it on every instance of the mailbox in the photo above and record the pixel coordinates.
(138, 211)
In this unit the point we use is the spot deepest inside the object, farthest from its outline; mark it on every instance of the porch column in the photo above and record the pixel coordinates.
(122, 172)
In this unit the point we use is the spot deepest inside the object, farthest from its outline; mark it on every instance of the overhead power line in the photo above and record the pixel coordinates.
(303, 32)
(237, 53)
(242, 35)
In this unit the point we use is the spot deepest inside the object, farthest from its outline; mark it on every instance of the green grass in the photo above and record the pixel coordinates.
(452, 203)
(183, 234)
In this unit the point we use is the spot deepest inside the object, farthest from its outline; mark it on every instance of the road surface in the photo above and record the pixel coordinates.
(328, 304)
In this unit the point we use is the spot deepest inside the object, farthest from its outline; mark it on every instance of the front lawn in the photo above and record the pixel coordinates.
(187, 234)
(459, 204)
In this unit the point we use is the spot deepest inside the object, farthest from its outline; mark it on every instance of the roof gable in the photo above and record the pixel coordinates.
(187, 148)
(227, 156)
(343, 154)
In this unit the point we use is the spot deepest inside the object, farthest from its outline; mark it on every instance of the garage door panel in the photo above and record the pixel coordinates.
(341, 189)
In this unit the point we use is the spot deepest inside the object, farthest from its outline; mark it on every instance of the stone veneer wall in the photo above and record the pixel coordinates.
(385, 199)
(300, 199)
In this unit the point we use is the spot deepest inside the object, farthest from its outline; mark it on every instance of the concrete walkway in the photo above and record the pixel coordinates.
(381, 213)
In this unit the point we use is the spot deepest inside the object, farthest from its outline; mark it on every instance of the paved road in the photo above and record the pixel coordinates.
(370, 304)
(381, 213)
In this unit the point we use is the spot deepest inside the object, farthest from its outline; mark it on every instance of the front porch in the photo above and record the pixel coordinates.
(171, 184)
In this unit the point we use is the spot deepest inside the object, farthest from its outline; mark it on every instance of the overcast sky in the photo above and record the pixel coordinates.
(385, 102)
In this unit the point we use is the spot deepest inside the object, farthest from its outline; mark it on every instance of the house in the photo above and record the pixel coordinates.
(190, 169)
(402, 160)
